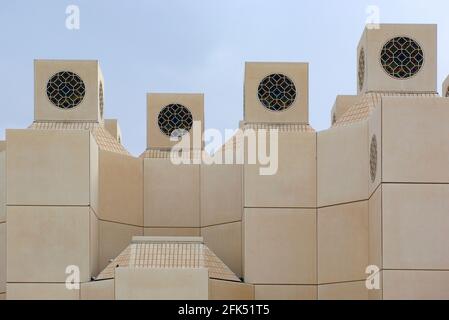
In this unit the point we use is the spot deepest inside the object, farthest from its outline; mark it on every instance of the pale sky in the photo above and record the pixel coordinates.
(194, 46)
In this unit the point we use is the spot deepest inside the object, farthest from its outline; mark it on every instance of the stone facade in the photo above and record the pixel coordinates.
(370, 191)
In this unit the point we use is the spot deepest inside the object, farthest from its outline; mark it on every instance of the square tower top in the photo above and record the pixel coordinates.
(170, 116)
(276, 93)
(397, 58)
(68, 90)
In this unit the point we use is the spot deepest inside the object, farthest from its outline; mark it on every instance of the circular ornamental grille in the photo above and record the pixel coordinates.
(175, 120)
(277, 92)
(402, 57)
(66, 90)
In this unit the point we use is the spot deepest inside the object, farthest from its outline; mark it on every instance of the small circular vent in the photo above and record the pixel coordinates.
(101, 98)
(66, 90)
(175, 120)
(361, 71)
(277, 92)
(373, 158)
(402, 57)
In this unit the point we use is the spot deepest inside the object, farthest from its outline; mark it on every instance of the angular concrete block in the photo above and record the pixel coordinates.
(294, 184)
(172, 232)
(113, 239)
(43, 241)
(41, 291)
(171, 194)
(161, 284)
(228, 290)
(121, 188)
(342, 242)
(343, 291)
(98, 290)
(342, 157)
(280, 246)
(415, 285)
(415, 226)
(113, 128)
(415, 139)
(156, 102)
(285, 292)
(46, 167)
(297, 73)
(225, 241)
(2, 257)
(221, 194)
(375, 229)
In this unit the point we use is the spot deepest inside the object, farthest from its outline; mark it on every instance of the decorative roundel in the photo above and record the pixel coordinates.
(66, 90)
(373, 158)
(277, 92)
(175, 120)
(402, 57)
(101, 98)
(361, 71)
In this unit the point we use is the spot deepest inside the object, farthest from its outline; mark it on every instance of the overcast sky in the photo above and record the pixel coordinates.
(194, 46)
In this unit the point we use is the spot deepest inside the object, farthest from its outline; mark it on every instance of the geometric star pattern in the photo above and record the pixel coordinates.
(66, 90)
(175, 120)
(402, 57)
(277, 92)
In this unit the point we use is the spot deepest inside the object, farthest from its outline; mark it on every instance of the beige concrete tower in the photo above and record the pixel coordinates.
(52, 182)
(113, 128)
(408, 152)
(387, 154)
(280, 209)
(171, 191)
(57, 191)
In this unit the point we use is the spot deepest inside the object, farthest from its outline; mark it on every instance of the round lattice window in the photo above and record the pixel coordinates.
(402, 57)
(277, 92)
(66, 90)
(361, 71)
(175, 120)
(101, 99)
(373, 158)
